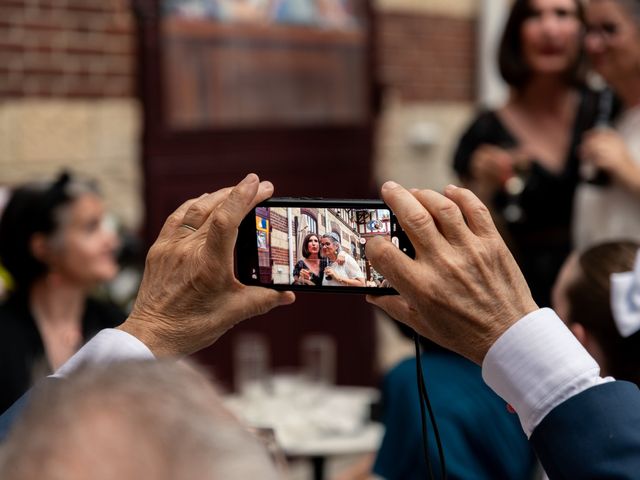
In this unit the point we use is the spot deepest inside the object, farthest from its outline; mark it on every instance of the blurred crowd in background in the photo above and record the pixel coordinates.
(532, 104)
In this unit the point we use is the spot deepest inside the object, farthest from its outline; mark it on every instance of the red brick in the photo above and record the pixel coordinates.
(426, 57)
(73, 48)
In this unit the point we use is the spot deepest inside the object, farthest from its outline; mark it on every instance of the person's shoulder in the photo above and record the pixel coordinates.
(12, 314)
(349, 258)
(447, 373)
(401, 375)
(485, 127)
(436, 365)
(485, 119)
(402, 368)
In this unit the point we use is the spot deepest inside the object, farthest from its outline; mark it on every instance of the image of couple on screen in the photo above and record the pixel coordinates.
(325, 263)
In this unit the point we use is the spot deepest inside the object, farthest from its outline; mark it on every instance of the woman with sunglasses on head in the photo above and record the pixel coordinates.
(521, 159)
(610, 209)
(341, 269)
(57, 247)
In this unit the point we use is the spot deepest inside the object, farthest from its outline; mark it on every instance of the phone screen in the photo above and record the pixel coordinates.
(316, 246)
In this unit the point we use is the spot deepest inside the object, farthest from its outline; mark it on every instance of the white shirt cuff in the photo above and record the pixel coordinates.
(108, 346)
(537, 364)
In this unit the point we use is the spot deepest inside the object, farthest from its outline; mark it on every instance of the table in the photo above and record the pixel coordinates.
(313, 422)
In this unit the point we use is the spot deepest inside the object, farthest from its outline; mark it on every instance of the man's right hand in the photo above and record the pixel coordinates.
(189, 295)
(464, 288)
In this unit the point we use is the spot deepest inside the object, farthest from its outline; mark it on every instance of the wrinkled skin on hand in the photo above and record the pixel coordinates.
(189, 295)
(464, 288)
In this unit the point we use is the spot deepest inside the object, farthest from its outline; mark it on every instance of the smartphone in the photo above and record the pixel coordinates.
(316, 245)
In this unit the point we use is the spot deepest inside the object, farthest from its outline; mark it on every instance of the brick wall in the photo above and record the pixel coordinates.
(66, 48)
(278, 222)
(67, 99)
(67, 80)
(280, 256)
(424, 57)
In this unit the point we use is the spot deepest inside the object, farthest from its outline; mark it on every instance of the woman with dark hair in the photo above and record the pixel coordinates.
(521, 159)
(55, 244)
(609, 211)
(598, 295)
(309, 269)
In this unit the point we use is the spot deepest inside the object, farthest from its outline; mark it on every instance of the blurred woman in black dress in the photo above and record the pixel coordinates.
(521, 159)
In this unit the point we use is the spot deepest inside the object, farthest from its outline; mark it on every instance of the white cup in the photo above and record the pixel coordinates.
(251, 364)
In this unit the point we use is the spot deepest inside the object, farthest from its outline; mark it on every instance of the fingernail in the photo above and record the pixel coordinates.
(267, 184)
(251, 178)
(414, 190)
(389, 185)
(450, 188)
(202, 196)
(287, 298)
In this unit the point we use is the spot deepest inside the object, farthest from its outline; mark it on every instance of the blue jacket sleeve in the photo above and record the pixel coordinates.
(593, 435)
(8, 418)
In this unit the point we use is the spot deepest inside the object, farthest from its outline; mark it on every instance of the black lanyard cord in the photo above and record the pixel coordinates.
(424, 401)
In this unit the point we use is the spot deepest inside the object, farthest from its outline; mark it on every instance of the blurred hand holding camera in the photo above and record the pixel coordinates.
(330, 274)
(604, 149)
(189, 296)
(464, 288)
(305, 277)
(491, 166)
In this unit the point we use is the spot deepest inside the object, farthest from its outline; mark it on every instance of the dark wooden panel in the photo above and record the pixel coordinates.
(237, 74)
(347, 318)
(309, 159)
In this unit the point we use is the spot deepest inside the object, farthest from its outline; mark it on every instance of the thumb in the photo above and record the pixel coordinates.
(397, 307)
(259, 300)
(395, 266)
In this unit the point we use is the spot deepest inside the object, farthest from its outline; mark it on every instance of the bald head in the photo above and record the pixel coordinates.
(132, 420)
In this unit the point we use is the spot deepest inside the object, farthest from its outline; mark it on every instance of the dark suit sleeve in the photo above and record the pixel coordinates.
(12, 414)
(8, 418)
(593, 435)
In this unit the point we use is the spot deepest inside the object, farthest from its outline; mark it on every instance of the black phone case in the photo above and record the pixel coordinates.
(247, 253)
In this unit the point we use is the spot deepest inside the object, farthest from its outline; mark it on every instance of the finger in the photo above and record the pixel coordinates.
(412, 216)
(174, 221)
(395, 266)
(258, 300)
(447, 215)
(198, 212)
(222, 224)
(477, 214)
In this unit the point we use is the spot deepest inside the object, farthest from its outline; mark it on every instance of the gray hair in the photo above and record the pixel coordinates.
(135, 419)
(334, 238)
